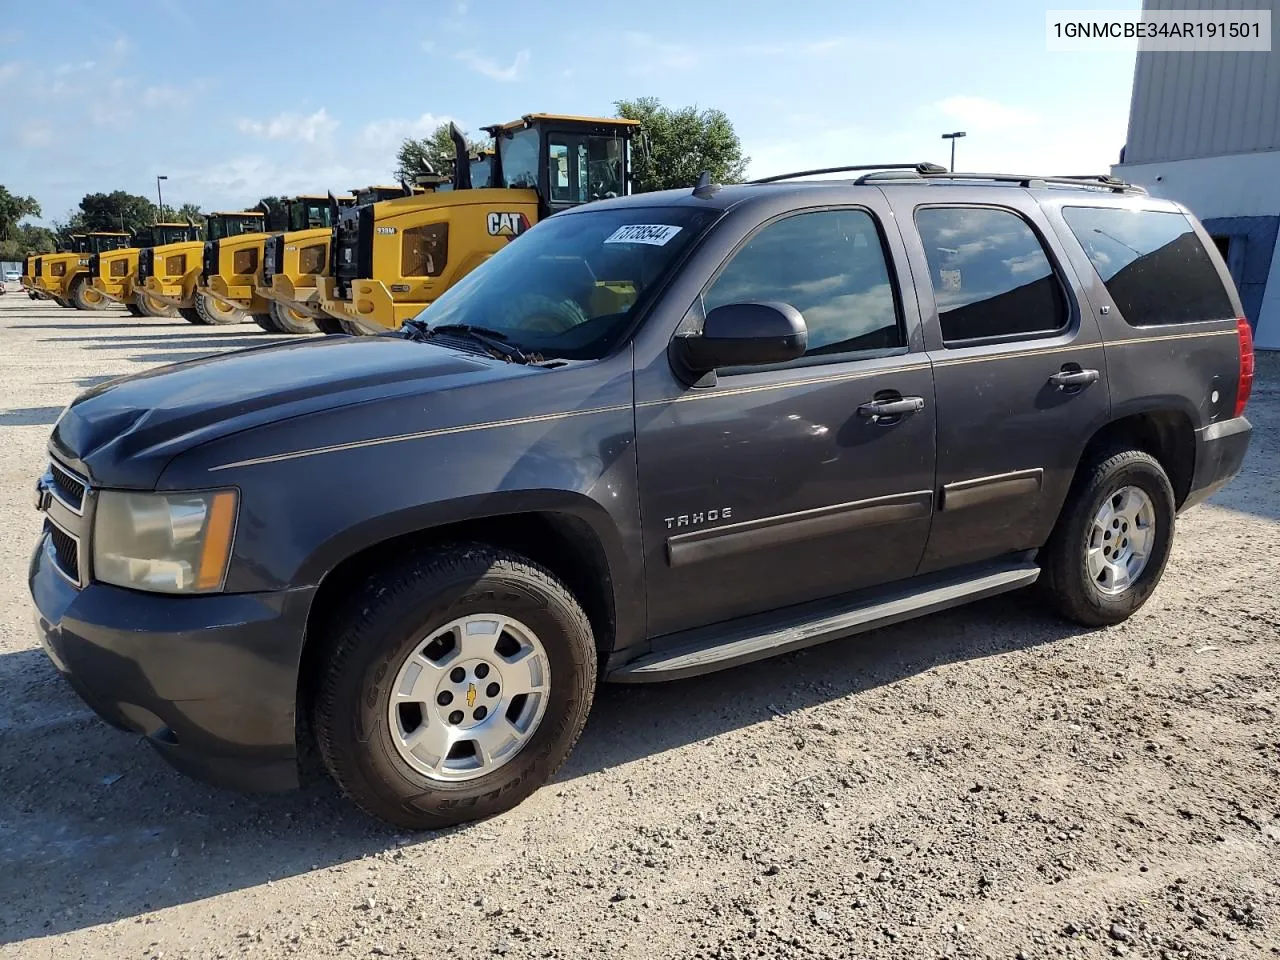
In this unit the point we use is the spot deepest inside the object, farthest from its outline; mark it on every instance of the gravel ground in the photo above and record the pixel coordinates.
(984, 783)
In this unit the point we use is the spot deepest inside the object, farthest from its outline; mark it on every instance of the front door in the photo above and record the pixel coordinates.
(1019, 372)
(782, 484)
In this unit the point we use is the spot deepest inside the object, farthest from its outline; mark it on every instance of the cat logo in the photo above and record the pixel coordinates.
(509, 225)
(471, 694)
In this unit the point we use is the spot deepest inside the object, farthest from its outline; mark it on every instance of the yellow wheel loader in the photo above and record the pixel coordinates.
(64, 276)
(114, 273)
(392, 258)
(292, 260)
(170, 274)
(29, 276)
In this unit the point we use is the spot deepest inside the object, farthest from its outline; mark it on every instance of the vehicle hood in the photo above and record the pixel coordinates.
(122, 433)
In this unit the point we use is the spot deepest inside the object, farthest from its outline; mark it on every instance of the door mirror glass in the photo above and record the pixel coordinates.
(743, 334)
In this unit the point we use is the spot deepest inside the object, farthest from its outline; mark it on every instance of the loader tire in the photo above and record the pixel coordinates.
(266, 322)
(288, 320)
(330, 325)
(151, 307)
(85, 297)
(217, 313)
(192, 315)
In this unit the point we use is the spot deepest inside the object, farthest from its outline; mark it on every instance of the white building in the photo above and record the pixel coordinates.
(1204, 129)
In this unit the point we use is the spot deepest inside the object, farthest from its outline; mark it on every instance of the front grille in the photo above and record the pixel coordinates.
(272, 258)
(209, 266)
(67, 487)
(94, 265)
(66, 551)
(146, 259)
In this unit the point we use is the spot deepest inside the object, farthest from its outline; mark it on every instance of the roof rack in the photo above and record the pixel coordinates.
(918, 168)
(1097, 181)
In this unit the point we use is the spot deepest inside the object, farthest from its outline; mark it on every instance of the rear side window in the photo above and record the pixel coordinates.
(830, 265)
(1155, 267)
(991, 276)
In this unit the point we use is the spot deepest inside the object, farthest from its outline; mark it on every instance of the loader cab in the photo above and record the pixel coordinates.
(568, 160)
(311, 212)
(161, 233)
(102, 241)
(375, 194)
(224, 225)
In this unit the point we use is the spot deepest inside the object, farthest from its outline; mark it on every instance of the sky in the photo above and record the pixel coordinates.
(237, 99)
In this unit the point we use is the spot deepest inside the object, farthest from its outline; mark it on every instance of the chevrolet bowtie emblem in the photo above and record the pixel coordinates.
(471, 694)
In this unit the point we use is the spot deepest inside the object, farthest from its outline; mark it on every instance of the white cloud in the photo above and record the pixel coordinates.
(983, 114)
(164, 95)
(67, 68)
(35, 135)
(121, 45)
(387, 135)
(9, 70)
(291, 126)
(652, 56)
(489, 68)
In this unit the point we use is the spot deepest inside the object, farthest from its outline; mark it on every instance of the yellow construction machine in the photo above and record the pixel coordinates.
(171, 274)
(63, 277)
(29, 276)
(392, 258)
(114, 273)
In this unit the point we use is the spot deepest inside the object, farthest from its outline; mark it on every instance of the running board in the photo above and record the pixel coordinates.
(767, 635)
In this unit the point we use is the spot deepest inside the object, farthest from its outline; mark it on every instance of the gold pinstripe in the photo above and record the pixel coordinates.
(420, 435)
(685, 398)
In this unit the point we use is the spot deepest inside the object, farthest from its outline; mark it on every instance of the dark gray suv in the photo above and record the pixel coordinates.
(654, 437)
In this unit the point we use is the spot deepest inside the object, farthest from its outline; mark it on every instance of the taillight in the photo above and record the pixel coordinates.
(1245, 384)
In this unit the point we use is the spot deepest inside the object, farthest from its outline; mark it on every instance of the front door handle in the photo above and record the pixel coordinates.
(1069, 379)
(877, 410)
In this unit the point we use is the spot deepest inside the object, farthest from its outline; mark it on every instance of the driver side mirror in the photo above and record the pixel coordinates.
(743, 334)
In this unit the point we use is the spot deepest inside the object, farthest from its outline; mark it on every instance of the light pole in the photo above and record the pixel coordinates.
(953, 137)
(160, 198)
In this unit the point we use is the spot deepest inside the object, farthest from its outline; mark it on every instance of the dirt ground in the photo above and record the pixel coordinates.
(985, 783)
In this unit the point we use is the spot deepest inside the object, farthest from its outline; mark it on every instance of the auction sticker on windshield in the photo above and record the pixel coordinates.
(654, 234)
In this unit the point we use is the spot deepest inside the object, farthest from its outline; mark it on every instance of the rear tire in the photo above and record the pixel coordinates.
(67, 304)
(266, 322)
(217, 313)
(84, 296)
(1099, 524)
(330, 325)
(151, 307)
(288, 320)
(192, 315)
(389, 634)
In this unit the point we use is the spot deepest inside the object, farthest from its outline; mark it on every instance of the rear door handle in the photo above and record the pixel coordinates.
(876, 410)
(1066, 379)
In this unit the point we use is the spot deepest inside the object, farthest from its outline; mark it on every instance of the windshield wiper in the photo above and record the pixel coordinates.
(492, 340)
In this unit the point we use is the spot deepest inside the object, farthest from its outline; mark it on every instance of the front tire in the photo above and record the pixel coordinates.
(151, 307)
(192, 315)
(85, 297)
(1112, 541)
(331, 326)
(266, 321)
(216, 312)
(453, 686)
(134, 310)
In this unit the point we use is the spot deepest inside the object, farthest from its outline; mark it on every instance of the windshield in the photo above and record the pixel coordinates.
(308, 214)
(164, 235)
(567, 287)
(482, 172)
(221, 227)
(585, 167)
(520, 158)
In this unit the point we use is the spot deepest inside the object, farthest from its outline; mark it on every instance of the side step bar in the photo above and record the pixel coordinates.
(767, 635)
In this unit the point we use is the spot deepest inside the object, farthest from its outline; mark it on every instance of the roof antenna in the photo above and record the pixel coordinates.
(705, 188)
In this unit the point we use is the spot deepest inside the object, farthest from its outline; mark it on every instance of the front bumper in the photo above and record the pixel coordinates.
(210, 680)
(175, 293)
(121, 291)
(1220, 451)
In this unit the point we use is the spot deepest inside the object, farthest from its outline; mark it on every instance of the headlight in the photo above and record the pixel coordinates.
(166, 542)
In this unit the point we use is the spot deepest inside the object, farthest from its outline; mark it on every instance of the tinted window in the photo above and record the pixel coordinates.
(831, 267)
(991, 277)
(519, 158)
(1153, 264)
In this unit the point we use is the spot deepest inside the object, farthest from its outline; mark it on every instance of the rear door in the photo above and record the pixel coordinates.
(778, 484)
(1019, 371)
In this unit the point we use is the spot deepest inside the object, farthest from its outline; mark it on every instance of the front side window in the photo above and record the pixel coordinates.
(568, 287)
(520, 158)
(991, 276)
(584, 168)
(1153, 264)
(830, 265)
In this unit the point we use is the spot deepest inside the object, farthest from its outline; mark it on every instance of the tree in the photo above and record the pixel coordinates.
(12, 209)
(675, 146)
(188, 211)
(26, 239)
(277, 214)
(116, 210)
(432, 153)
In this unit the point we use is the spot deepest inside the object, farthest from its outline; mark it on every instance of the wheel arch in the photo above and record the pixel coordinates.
(1167, 433)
